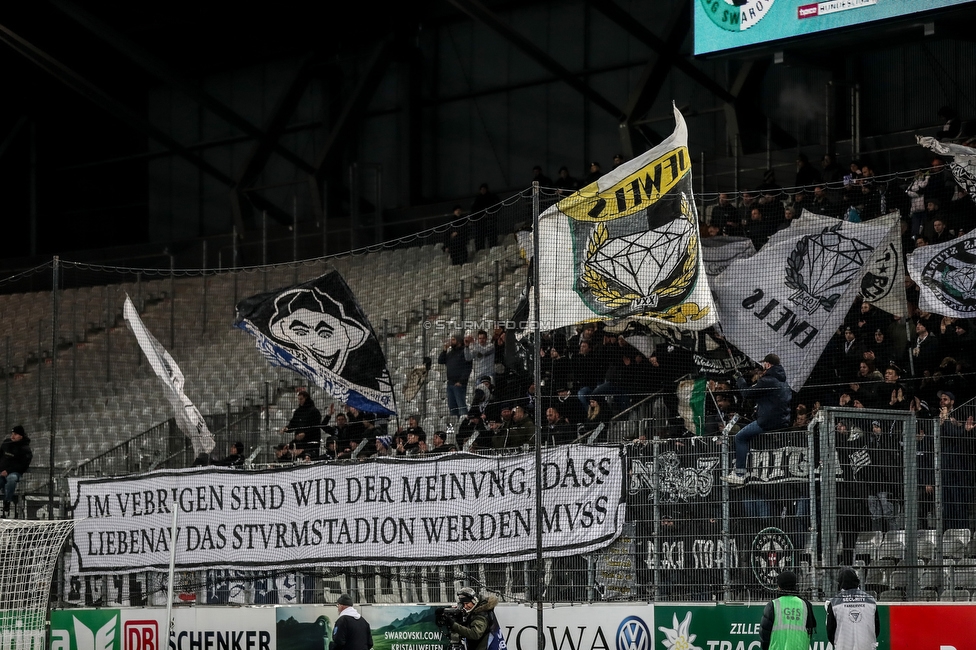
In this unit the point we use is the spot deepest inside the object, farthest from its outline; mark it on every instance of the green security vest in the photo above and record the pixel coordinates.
(789, 625)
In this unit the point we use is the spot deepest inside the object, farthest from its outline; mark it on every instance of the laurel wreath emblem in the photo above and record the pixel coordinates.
(613, 298)
(794, 273)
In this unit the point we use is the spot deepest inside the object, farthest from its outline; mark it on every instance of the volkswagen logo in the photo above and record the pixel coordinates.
(633, 634)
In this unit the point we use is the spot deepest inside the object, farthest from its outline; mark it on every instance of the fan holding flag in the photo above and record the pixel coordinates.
(772, 396)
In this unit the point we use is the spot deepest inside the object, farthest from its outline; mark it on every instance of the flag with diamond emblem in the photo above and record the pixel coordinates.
(946, 276)
(791, 296)
(627, 246)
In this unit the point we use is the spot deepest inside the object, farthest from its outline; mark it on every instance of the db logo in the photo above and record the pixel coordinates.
(141, 635)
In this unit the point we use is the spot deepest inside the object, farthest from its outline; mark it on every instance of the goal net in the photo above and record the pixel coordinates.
(29, 551)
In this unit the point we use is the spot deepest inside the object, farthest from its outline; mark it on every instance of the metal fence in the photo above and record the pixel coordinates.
(840, 492)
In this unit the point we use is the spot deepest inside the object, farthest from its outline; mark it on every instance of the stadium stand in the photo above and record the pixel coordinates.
(113, 420)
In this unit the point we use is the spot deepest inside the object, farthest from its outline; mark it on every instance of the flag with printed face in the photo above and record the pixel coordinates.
(627, 246)
(791, 296)
(188, 417)
(318, 330)
(883, 284)
(946, 277)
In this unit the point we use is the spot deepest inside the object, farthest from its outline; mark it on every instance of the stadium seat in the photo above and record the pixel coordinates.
(956, 595)
(927, 544)
(867, 545)
(955, 542)
(932, 578)
(874, 578)
(897, 579)
(963, 577)
(891, 595)
(893, 546)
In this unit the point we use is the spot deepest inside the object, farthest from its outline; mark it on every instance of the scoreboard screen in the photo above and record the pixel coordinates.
(731, 24)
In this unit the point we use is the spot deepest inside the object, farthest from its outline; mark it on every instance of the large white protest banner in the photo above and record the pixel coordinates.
(423, 512)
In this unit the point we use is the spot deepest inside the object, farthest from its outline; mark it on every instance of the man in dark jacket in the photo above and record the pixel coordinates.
(772, 396)
(478, 622)
(235, 458)
(852, 615)
(458, 369)
(351, 631)
(787, 622)
(15, 460)
(305, 425)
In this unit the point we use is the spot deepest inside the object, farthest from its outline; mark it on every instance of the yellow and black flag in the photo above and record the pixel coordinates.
(627, 246)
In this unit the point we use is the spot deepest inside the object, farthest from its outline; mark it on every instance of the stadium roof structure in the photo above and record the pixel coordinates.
(76, 79)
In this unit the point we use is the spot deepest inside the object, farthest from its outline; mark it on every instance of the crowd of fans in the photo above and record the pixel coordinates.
(921, 363)
(933, 207)
(921, 354)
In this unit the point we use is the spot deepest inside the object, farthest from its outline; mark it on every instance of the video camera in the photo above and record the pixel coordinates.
(444, 616)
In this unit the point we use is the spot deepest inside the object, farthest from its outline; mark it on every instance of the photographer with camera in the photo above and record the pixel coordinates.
(351, 631)
(472, 620)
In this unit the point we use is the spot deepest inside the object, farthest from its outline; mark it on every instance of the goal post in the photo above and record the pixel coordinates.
(29, 551)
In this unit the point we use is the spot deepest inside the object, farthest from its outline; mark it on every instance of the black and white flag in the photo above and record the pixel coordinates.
(793, 294)
(627, 246)
(946, 277)
(719, 252)
(963, 163)
(318, 330)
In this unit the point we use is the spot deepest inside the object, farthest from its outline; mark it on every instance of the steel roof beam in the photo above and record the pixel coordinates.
(479, 12)
(614, 12)
(652, 79)
(353, 109)
(170, 76)
(100, 98)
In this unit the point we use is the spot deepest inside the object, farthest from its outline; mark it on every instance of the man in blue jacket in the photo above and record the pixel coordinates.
(772, 396)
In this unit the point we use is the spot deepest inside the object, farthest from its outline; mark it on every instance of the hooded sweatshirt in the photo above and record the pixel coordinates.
(351, 632)
(772, 396)
(852, 615)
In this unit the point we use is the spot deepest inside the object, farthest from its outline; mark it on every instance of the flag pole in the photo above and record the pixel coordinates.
(537, 379)
(168, 627)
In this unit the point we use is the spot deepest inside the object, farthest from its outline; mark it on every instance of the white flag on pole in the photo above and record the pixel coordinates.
(946, 277)
(627, 246)
(791, 296)
(188, 417)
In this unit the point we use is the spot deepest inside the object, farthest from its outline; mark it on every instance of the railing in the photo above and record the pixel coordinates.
(808, 505)
(165, 446)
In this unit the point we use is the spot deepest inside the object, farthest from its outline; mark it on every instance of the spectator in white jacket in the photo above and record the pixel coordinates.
(481, 353)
